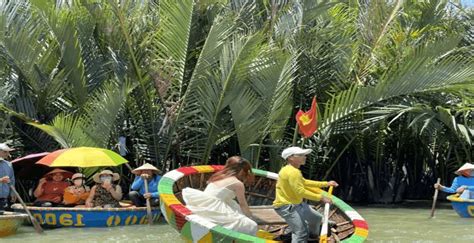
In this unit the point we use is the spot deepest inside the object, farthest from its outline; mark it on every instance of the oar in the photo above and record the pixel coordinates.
(323, 238)
(435, 197)
(35, 223)
(148, 204)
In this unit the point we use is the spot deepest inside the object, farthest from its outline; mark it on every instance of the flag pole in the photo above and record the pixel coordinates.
(295, 134)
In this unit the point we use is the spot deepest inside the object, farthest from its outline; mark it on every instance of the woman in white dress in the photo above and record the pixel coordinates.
(216, 203)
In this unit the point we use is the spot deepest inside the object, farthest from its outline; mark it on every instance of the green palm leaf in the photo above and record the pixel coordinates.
(423, 71)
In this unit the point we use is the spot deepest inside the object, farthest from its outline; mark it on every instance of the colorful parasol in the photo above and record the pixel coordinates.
(82, 157)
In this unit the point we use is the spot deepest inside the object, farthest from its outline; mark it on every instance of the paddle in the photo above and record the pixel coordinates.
(435, 197)
(35, 223)
(148, 205)
(323, 238)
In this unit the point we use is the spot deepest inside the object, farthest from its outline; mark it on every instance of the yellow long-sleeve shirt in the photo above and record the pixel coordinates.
(291, 187)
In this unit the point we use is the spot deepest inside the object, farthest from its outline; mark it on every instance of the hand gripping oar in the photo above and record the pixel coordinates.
(35, 223)
(435, 197)
(323, 238)
(148, 205)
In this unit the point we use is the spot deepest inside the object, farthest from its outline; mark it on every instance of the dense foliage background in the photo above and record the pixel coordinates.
(196, 81)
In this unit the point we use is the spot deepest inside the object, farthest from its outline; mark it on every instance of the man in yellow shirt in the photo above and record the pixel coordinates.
(291, 189)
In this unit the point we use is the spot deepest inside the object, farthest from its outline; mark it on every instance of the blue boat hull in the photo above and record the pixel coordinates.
(463, 207)
(91, 217)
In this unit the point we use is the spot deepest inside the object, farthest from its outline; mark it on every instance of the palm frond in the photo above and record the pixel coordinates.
(421, 72)
(169, 46)
(188, 111)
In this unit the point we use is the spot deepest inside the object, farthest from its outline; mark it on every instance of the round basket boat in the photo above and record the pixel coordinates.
(53, 217)
(350, 226)
(10, 222)
(463, 207)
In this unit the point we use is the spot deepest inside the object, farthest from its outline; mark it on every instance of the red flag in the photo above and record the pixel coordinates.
(308, 121)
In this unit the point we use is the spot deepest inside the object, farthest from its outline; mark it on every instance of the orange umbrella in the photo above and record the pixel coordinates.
(82, 157)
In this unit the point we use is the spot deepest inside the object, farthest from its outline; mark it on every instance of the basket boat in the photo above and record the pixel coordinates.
(350, 226)
(463, 207)
(10, 222)
(55, 217)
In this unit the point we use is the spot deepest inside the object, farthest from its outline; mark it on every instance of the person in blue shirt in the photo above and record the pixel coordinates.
(138, 195)
(462, 184)
(7, 177)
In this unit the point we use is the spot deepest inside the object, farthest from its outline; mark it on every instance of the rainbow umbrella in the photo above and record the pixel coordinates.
(82, 157)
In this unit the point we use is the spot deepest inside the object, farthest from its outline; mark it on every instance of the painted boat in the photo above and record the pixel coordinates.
(10, 222)
(464, 207)
(351, 227)
(54, 217)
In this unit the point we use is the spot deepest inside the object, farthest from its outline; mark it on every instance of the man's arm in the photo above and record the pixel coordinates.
(311, 183)
(453, 187)
(296, 181)
(12, 179)
(137, 183)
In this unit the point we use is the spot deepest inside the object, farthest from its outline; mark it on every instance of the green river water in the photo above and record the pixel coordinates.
(385, 225)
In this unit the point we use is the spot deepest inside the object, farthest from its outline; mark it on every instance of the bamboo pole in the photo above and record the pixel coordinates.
(324, 230)
(35, 223)
(435, 197)
(148, 204)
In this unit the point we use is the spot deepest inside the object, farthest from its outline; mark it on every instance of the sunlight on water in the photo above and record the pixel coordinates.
(128, 234)
(414, 225)
(386, 225)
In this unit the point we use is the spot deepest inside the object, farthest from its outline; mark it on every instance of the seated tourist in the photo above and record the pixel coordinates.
(138, 194)
(78, 192)
(105, 194)
(216, 203)
(50, 189)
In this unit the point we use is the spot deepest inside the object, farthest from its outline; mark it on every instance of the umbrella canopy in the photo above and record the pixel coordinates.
(25, 167)
(82, 157)
(29, 158)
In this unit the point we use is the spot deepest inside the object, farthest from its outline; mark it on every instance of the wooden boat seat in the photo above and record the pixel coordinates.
(266, 215)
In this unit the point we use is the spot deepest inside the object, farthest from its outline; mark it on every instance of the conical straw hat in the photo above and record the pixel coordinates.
(146, 166)
(466, 166)
(66, 174)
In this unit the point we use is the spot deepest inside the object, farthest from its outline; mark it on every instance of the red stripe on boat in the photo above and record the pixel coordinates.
(180, 213)
(360, 224)
(187, 170)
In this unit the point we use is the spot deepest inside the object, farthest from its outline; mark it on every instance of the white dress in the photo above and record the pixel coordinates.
(217, 204)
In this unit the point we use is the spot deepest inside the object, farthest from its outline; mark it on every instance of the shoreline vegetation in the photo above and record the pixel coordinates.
(194, 82)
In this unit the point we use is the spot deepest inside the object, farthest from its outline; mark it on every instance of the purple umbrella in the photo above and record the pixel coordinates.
(25, 167)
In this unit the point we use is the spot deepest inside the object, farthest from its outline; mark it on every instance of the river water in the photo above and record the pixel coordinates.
(385, 225)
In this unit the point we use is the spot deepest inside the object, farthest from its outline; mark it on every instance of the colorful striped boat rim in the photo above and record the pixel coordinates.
(196, 228)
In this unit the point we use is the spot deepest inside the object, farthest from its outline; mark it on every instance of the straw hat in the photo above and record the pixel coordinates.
(66, 174)
(466, 166)
(77, 176)
(146, 166)
(115, 176)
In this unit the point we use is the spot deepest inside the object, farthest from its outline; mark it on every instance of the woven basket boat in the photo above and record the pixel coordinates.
(55, 217)
(10, 222)
(464, 207)
(351, 227)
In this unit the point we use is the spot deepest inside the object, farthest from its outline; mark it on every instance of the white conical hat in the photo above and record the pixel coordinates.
(466, 166)
(146, 166)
